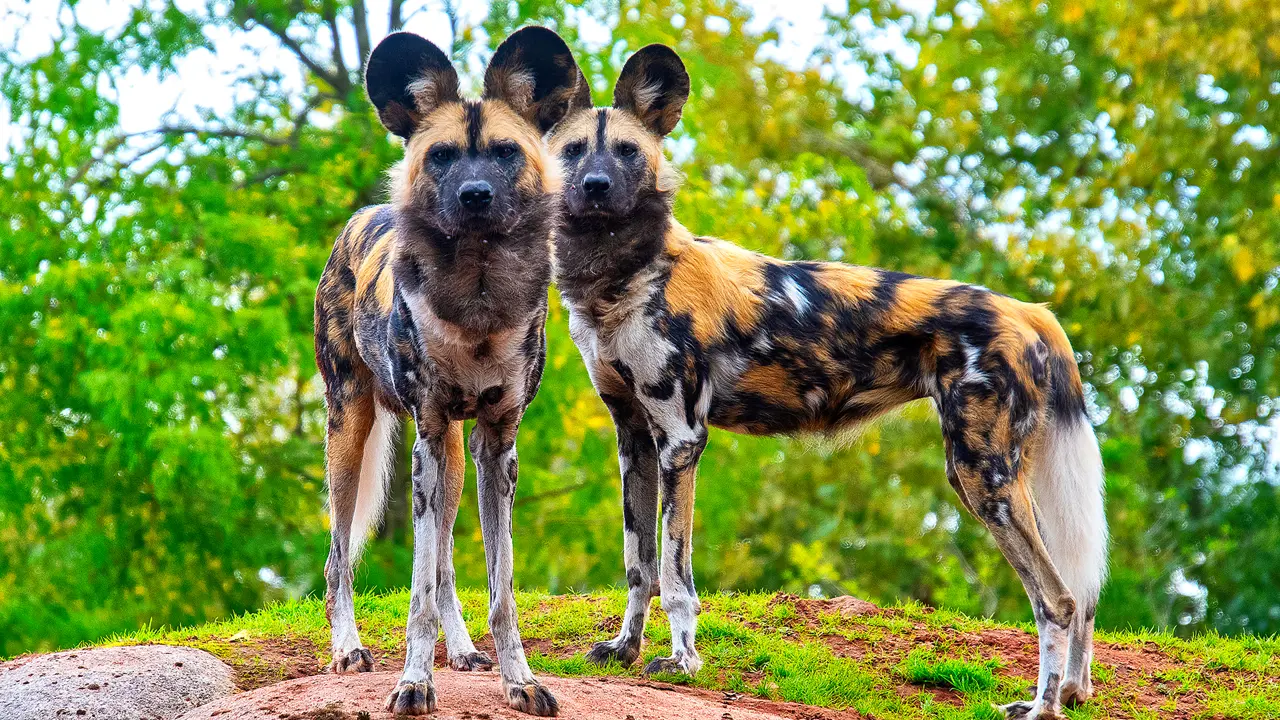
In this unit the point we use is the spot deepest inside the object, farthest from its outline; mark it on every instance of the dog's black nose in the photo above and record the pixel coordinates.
(475, 195)
(596, 185)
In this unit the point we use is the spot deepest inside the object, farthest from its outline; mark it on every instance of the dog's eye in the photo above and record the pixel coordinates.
(443, 155)
(627, 149)
(505, 151)
(575, 149)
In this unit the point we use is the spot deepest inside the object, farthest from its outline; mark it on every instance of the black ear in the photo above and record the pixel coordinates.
(407, 77)
(653, 86)
(533, 70)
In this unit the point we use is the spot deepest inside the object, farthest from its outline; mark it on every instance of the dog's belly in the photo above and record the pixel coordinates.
(770, 401)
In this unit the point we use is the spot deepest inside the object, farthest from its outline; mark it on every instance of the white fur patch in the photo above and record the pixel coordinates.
(1067, 482)
(425, 90)
(972, 375)
(644, 96)
(517, 89)
(795, 293)
(371, 497)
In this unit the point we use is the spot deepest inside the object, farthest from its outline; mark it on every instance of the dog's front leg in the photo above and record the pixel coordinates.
(493, 446)
(680, 448)
(638, 461)
(415, 694)
(462, 652)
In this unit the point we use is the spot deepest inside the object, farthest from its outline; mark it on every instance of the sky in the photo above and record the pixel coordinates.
(205, 79)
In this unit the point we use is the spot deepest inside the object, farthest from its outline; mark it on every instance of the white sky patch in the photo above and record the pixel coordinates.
(1128, 399)
(1179, 583)
(593, 33)
(801, 30)
(1197, 449)
(717, 24)
(1273, 456)
(1254, 135)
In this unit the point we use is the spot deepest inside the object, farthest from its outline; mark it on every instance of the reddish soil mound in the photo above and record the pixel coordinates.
(476, 696)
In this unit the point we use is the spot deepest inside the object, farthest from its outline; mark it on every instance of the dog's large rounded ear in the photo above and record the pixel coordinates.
(407, 77)
(653, 86)
(534, 72)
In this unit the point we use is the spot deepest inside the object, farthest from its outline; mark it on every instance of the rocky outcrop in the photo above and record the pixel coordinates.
(144, 682)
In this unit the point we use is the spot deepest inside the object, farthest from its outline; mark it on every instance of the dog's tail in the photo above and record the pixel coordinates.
(375, 476)
(1068, 488)
(1067, 481)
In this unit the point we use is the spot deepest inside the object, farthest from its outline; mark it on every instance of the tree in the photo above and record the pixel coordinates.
(162, 459)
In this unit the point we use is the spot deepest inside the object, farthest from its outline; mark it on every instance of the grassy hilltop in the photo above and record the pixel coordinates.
(903, 662)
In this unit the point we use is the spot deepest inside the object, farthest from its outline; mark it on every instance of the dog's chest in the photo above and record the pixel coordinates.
(460, 371)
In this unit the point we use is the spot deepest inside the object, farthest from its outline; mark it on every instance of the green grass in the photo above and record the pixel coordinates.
(905, 662)
(923, 666)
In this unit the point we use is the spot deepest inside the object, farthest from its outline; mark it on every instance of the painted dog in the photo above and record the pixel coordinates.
(434, 306)
(681, 332)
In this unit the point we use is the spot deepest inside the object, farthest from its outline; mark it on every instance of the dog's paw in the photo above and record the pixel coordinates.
(357, 661)
(677, 664)
(474, 660)
(412, 698)
(534, 699)
(1074, 694)
(603, 653)
(1023, 710)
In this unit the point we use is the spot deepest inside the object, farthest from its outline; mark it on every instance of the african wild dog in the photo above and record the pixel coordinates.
(680, 333)
(434, 306)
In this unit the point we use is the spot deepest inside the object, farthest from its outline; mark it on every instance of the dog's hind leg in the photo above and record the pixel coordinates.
(1077, 687)
(1010, 514)
(986, 462)
(351, 418)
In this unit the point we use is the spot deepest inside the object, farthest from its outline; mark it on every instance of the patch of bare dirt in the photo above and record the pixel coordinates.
(1135, 670)
(478, 696)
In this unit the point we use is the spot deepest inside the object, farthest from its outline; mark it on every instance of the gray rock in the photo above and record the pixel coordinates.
(144, 682)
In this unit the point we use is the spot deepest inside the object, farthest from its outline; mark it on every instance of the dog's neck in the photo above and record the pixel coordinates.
(597, 257)
(481, 280)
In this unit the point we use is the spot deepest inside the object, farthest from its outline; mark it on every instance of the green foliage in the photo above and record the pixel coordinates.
(161, 454)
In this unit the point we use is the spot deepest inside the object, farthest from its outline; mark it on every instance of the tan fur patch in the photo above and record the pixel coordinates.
(852, 282)
(772, 382)
(916, 300)
(713, 282)
(1020, 325)
(500, 123)
(356, 228)
(375, 274)
(622, 126)
(577, 127)
(448, 124)
(344, 445)
(456, 462)
(385, 288)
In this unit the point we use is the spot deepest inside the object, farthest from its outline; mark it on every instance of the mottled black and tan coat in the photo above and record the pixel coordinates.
(681, 333)
(433, 306)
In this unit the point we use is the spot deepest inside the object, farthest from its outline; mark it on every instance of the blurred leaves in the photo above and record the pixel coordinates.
(161, 458)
